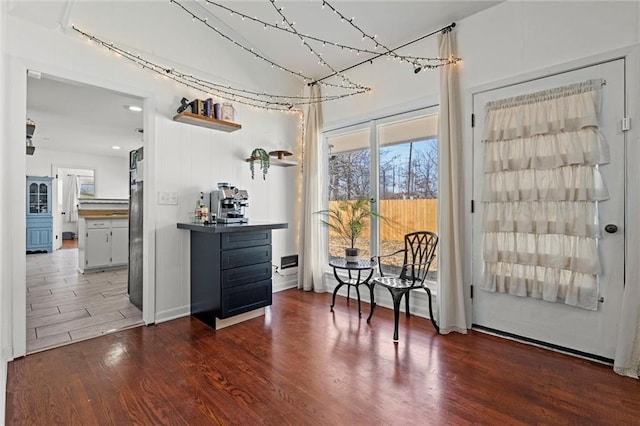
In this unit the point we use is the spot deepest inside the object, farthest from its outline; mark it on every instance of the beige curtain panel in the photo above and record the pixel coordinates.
(450, 291)
(541, 188)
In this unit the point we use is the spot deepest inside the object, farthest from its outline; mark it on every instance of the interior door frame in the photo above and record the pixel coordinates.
(631, 54)
(17, 97)
(58, 177)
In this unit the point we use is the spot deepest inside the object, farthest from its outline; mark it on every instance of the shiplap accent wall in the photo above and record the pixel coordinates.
(186, 159)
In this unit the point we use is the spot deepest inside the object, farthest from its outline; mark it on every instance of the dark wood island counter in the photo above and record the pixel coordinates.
(230, 268)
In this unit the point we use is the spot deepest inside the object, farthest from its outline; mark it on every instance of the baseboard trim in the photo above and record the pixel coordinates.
(3, 384)
(171, 314)
(236, 319)
(543, 345)
(286, 285)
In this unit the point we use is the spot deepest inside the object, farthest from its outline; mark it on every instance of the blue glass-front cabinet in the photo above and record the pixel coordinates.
(39, 216)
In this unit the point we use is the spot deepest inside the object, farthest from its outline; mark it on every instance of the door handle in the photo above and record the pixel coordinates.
(611, 228)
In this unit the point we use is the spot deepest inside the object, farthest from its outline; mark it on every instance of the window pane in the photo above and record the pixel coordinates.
(87, 186)
(408, 185)
(349, 180)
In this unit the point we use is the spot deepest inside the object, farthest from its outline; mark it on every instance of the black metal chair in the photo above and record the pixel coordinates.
(419, 252)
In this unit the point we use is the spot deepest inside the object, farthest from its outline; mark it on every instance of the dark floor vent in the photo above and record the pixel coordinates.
(289, 261)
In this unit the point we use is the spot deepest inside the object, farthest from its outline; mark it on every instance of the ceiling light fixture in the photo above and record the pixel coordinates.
(133, 108)
(116, 147)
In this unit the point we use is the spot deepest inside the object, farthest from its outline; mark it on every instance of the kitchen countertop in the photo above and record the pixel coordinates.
(221, 228)
(103, 214)
(106, 216)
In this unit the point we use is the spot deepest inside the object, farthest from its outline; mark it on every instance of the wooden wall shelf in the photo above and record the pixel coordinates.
(208, 122)
(283, 163)
(276, 162)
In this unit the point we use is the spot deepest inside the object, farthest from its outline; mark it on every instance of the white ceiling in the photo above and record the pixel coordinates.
(58, 107)
(73, 117)
(393, 22)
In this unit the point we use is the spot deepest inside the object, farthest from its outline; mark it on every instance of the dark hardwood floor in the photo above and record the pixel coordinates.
(302, 364)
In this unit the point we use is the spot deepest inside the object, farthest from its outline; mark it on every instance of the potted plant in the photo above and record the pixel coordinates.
(347, 220)
(259, 154)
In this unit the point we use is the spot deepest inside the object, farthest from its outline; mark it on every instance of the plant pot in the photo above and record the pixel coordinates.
(352, 255)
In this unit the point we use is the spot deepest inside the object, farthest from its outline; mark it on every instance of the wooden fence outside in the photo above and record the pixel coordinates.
(404, 216)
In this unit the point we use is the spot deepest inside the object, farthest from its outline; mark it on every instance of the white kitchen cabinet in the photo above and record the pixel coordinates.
(98, 248)
(119, 243)
(102, 243)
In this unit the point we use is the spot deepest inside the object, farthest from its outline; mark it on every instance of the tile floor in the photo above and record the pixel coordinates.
(64, 305)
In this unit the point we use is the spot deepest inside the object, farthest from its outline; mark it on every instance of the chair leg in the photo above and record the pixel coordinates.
(406, 304)
(433, 321)
(397, 297)
(373, 300)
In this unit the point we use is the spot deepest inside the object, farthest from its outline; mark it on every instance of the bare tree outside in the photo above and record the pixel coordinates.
(349, 175)
(409, 170)
(408, 176)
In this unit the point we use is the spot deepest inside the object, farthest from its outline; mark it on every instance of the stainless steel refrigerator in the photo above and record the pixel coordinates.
(136, 188)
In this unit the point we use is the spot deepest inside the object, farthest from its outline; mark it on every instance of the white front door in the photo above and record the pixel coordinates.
(557, 324)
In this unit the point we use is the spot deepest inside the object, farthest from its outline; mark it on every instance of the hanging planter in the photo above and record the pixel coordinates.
(259, 154)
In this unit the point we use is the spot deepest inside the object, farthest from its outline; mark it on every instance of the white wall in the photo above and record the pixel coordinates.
(510, 39)
(179, 158)
(5, 241)
(111, 173)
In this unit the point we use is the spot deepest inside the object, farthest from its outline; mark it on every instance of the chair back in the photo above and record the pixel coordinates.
(420, 250)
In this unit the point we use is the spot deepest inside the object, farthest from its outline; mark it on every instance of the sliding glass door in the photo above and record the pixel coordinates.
(394, 160)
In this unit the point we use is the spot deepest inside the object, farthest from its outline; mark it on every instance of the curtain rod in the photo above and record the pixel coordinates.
(443, 29)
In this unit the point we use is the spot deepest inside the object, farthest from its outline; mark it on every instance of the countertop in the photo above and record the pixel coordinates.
(221, 228)
(103, 214)
(105, 217)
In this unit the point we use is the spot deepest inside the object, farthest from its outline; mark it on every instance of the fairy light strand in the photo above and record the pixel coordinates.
(360, 30)
(251, 51)
(405, 58)
(322, 62)
(270, 102)
(418, 63)
(358, 50)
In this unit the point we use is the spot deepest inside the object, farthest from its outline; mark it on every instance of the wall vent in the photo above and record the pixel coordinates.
(289, 261)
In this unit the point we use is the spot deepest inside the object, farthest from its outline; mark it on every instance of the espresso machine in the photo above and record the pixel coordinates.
(228, 204)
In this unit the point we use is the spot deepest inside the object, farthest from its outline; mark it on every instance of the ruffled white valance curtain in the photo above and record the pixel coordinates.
(541, 188)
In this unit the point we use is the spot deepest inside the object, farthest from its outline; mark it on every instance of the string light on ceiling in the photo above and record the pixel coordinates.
(419, 63)
(321, 61)
(346, 84)
(416, 61)
(261, 100)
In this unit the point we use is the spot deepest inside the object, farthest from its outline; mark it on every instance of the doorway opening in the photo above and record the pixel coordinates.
(68, 192)
(82, 146)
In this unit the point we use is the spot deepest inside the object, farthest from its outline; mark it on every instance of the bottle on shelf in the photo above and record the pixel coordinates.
(202, 210)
